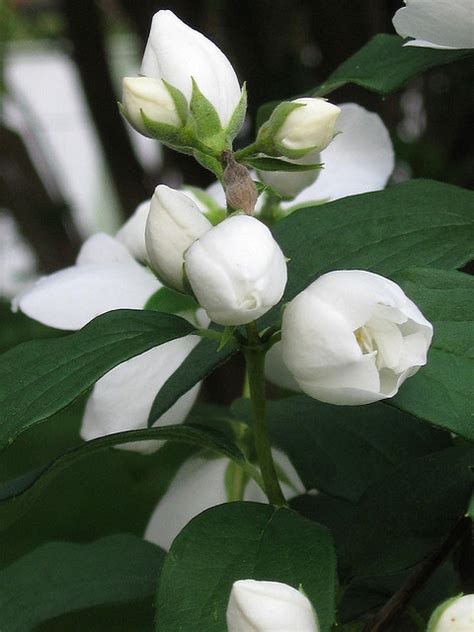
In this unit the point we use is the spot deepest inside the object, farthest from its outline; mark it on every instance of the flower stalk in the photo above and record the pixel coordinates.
(255, 362)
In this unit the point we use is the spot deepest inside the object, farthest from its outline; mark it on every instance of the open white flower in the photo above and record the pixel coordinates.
(199, 485)
(353, 337)
(446, 24)
(264, 606)
(107, 277)
(455, 615)
(236, 270)
(176, 53)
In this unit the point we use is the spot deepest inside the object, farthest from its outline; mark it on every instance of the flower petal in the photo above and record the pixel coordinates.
(122, 399)
(445, 24)
(358, 160)
(102, 248)
(132, 233)
(69, 299)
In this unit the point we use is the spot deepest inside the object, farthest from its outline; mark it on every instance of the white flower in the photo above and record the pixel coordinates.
(150, 96)
(262, 606)
(308, 126)
(353, 337)
(199, 485)
(173, 224)
(359, 159)
(132, 233)
(107, 277)
(456, 615)
(447, 24)
(176, 53)
(289, 183)
(236, 270)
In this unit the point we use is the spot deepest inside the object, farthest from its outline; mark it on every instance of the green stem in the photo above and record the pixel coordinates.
(255, 360)
(246, 151)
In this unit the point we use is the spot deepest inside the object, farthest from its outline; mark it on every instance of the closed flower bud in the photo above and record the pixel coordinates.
(150, 97)
(177, 53)
(353, 337)
(455, 615)
(311, 125)
(173, 224)
(260, 606)
(236, 270)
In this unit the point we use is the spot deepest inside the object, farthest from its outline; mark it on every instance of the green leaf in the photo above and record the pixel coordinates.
(242, 541)
(384, 65)
(274, 164)
(200, 363)
(209, 162)
(343, 450)
(39, 378)
(82, 503)
(407, 514)
(441, 392)
(171, 302)
(62, 577)
(420, 222)
(16, 496)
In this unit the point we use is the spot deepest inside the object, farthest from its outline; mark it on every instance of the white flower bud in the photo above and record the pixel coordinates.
(260, 606)
(150, 96)
(455, 615)
(236, 270)
(289, 184)
(173, 224)
(309, 126)
(132, 233)
(353, 337)
(176, 53)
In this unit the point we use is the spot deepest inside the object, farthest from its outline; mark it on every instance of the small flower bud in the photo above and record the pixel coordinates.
(454, 615)
(236, 270)
(150, 96)
(260, 606)
(240, 190)
(309, 126)
(173, 224)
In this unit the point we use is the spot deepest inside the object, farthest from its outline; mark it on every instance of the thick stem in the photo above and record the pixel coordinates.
(255, 359)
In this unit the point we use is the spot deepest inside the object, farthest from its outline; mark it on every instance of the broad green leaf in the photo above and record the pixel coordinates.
(401, 518)
(17, 496)
(242, 541)
(61, 577)
(342, 450)
(171, 302)
(200, 363)
(441, 392)
(407, 514)
(384, 65)
(82, 502)
(417, 223)
(41, 377)
(275, 164)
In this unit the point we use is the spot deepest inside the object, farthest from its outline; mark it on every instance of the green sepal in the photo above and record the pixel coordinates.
(179, 101)
(178, 138)
(227, 337)
(238, 116)
(439, 611)
(209, 162)
(275, 164)
(207, 126)
(265, 137)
